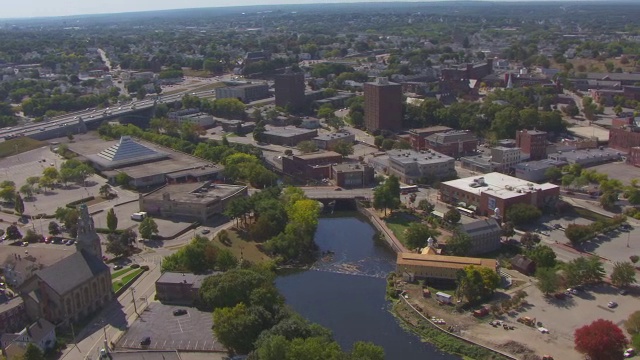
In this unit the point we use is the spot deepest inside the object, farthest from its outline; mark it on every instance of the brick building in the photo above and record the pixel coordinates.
(623, 139)
(315, 166)
(329, 141)
(412, 166)
(497, 191)
(532, 143)
(417, 136)
(288, 136)
(382, 105)
(352, 175)
(12, 314)
(634, 156)
(454, 143)
(179, 288)
(289, 89)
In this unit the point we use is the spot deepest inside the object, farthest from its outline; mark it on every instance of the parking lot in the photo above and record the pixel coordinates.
(191, 331)
(618, 170)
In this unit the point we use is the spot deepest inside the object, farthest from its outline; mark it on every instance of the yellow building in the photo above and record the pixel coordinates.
(437, 267)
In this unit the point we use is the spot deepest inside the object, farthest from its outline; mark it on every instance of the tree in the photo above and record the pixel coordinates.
(508, 230)
(633, 323)
(112, 220)
(32, 352)
(624, 274)
(553, 174)
(577, 233)
(122, 179)
(608, 199)
(584, 271)
(307, 146)
(119, 245)
(54, 228)
(523, 213)
(601, 340)
(529, 240)
(459, 244)
(237, 327)
(232, 287)
(548, 280)
(425, 206)
(148, 227)
(27, 190)
(51, 173)
(237, 208)
(19, 205)
(225, 260)
(105, 191)
(417, 234)
(634, 258)
(13, 233)
(32, 237)
(452, 216)
(366, 351)
(387, 195)
(476, 283)
(344, 148)
(543, 256)
(8, 193)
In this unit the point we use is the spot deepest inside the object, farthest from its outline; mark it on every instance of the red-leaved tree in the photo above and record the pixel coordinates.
(601, 340)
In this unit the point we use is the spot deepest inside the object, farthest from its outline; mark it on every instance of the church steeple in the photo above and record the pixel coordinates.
(87, 238)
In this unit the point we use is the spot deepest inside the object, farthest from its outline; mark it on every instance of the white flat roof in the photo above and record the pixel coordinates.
(499, 185)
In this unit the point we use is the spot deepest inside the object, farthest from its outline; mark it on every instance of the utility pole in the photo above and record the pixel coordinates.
(133, 297)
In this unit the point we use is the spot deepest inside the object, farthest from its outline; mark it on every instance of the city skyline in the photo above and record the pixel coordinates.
(47, 8)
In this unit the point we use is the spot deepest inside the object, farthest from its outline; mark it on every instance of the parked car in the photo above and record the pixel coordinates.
(117, 267)
(629, 352)
(612, 304)
(205, 231)
(145, 341)
(179, 312)
(623, 292)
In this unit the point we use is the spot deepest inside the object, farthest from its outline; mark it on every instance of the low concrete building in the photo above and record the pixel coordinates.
(535, 171)
(438, 268)
(427, 165)
(454, 143)
(478, 163)
(352, 175)
(288, 136)
(485, 235)
(179, 288)
(329, 141)
(587, 157)
(193, 201)
(191, 116)
(316, 166)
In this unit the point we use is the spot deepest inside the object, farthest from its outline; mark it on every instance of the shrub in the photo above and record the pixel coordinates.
(145, 267)
(135, 266)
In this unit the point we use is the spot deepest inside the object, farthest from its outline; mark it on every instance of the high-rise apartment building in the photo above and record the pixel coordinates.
(289, 89)
(382, 105)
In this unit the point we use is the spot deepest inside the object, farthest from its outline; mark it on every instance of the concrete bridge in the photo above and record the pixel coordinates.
(331, 193)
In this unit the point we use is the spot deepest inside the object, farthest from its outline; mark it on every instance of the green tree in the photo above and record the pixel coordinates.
(459, 244)
(229, 108)
(417, 234)
(452, 216)
(548, 280)
(307, 146)
(608, 199)
(237, 208)
(476, 283)
(13, 233)
(388, 144)
(577, 233)
(112, 220)
(632, 324)
(32, 237)
(529, 240)
(237, 328)
(54, 228)
(148, 227)
(378, 140)
(366, 351)
(18, 205)
(624, 274)
(543, 256)
(225, 260)
(634, 258)
(120, 244)
(344, 148)
(508, 230)
(123, 179)
(105, 191)
(387, 195)
(32, 352)
(425, 206)
(8, 193)
(27, 190)
(232, 287)
(584, 271)
(553, 174)
(523, 213)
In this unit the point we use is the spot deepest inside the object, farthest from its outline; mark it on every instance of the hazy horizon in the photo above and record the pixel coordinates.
(55, 8)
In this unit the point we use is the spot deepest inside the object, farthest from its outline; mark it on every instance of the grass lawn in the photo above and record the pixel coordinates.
(241, 244)
(122, 282)
(398, 223)
(196, 73)
(120, 272)
(590, 215)
(208, 87)
(18, 145)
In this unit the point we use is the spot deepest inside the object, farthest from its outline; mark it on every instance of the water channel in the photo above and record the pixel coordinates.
(345, 292)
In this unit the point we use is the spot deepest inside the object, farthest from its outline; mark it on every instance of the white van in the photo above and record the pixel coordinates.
(138, 216)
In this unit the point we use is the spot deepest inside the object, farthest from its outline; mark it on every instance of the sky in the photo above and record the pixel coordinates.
(45, 8)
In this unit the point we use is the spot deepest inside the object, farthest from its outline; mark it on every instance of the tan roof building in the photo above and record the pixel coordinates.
(437, 267)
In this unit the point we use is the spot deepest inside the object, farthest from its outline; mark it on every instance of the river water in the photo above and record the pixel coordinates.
(345, 292)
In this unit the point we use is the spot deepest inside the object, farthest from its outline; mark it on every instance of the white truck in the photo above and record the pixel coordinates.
(138, 216)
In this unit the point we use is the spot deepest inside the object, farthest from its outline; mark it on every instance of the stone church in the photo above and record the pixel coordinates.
(73, 287)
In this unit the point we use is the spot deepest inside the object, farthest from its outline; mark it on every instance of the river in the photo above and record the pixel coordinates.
(346, 293)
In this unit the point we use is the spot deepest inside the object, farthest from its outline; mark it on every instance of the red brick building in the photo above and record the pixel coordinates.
(494, 191)
(179, 288)
(634, 156)
(315, 166)
(454, 143)
(289, 89)
(532, 142)
(623, 139)
(417, 136)
(382, 105)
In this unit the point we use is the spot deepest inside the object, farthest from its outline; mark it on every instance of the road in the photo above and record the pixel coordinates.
(330, 192)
